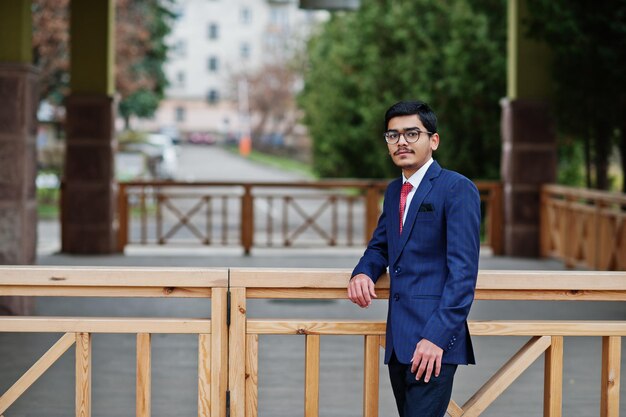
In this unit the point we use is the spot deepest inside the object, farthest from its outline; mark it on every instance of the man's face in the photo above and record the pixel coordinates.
(411, 156)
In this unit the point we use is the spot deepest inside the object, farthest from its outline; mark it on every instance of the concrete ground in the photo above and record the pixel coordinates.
(281, 358)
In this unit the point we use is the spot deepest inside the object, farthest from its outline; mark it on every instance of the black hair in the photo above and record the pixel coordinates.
(408, 108)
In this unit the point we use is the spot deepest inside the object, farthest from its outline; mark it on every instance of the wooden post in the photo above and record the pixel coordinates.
(544, 223)
(237, 352)
(609, 395)
(372, 211)
(553, 380)
(247, 219)
(496, 220)
(370, 376)
(204, 375)
(312, 376)
(143, 388)
(123, 218)
(252, 372)
(566, 242)
(83, 375)
(219, 352)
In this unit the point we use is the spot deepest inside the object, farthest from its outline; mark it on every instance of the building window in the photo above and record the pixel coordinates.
(179, 48)
(214, 31)
(245, 16)
(244, 50)
(213, 64)
(180, 78)
(278, 16)
(213, 96)
(180, 114)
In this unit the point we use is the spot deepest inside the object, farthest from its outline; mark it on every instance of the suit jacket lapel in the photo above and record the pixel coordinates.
(394, 219)
(421, 193)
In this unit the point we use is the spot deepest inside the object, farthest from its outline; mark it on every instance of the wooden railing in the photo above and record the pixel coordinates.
(328, 213)
(584, 227)
(228, 341)
(119, 282)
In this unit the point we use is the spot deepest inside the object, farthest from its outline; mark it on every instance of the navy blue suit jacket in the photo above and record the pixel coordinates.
(433, 264)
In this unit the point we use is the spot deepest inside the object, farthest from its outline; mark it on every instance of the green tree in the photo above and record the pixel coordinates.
(588, 40)
(450, 54)
(141, 46)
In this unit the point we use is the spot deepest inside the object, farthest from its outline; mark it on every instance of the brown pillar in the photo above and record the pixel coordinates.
(18, 128)
(528, 160)
(529, 157)
(89, 188)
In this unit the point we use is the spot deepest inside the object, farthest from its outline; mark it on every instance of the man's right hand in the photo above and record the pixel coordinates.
(361, 290)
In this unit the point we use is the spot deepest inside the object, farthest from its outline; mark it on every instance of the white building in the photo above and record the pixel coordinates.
(211, 42)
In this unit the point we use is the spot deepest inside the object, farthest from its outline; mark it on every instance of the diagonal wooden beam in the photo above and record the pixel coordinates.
(454, 410)
(505, 376)
(35, 371)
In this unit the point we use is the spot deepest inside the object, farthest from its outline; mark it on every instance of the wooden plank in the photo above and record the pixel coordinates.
(481, 294)
(204, 375)
(326, 327)
(252, 375)
(505, 376)
(547, 328)
(237, 352)
(312, 376)
(144, 380)
(477, 328)
(113, 276)
(301, 293)
(83, 375)
(104, 325)
(549, 295)
(371, 376)
(219, 352)
(584, 193)
(35, 371)
(609, 394)
(125, 292)
(13, 324)
(503, 280)
(454, 410)
(553, 379)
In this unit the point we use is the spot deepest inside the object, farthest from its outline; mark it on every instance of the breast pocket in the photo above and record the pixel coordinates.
(425, 216)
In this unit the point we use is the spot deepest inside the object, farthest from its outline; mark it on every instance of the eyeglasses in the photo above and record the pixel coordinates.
(411, 135)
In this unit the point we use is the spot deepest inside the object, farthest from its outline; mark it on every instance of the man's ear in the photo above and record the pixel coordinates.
(434, 141)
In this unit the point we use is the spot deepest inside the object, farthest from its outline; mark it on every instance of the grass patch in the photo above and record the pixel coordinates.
(48, 203)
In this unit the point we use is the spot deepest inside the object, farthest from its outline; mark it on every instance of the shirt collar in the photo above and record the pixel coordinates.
(416, 178)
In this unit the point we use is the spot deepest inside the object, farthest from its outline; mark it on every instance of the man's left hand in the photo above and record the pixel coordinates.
(426, 358)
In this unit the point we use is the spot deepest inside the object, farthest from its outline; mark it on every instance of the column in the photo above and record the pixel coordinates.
(18, 127)
(529, 148)
(89, 187)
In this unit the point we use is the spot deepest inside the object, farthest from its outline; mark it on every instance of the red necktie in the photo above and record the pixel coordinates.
(404, 192)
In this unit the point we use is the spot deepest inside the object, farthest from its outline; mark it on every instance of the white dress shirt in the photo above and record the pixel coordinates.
(415, 181)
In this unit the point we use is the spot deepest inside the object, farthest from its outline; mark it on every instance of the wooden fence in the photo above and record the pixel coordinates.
(228, 341)
(584, 227)
(268, 214)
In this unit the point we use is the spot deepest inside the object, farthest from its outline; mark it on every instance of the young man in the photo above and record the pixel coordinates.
(428, 236)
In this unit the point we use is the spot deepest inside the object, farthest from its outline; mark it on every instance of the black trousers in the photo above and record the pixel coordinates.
(419, 398)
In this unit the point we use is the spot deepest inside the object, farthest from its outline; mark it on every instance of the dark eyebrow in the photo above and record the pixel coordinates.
(405, 129)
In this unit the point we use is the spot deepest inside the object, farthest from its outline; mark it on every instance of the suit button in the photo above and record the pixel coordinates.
(398, 270)
(396, 296)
